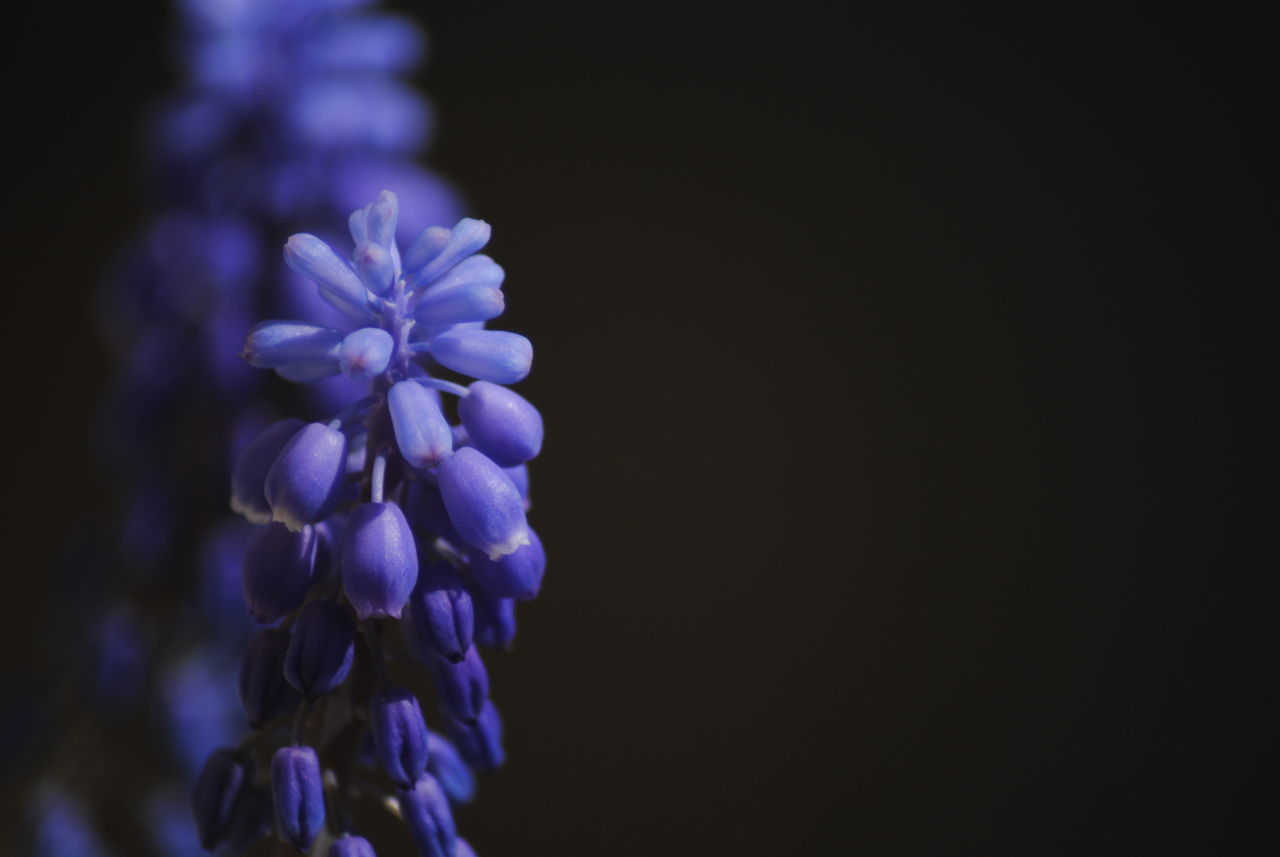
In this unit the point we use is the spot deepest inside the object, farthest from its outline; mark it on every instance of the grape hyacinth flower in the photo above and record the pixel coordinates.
(418, 488)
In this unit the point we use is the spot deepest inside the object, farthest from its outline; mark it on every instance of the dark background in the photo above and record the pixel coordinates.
(901, 372)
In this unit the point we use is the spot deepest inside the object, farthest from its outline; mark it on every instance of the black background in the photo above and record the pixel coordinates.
(901, 372)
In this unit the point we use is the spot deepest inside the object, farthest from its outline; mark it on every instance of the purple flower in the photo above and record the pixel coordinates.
(321, 648)
(399, 735)
(298, 793)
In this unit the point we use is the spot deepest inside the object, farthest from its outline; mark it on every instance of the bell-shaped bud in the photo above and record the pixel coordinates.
(463, 686)
(279, 567)
(426, 811)
(517, 575)
(501, 423)
(422, 432)
(305, 482)
(298, 350)
(379, 561)
(490, 355)
(464, 849)
(298, 792)
(424, 507)
(427, 259)
(218, 792)
(250, 471)
(339, 284)
(399, 735)
(446, 765)
(355, 846)
(480, 743)
(485, 508)
(495, 619)
(264, 693)
(441, 620)
(321, 648)
(365, 352)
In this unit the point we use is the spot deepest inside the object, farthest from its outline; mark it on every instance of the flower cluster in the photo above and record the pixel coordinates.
(401, 521)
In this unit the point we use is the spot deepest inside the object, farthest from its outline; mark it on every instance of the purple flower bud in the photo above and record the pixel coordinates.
(298, 350)
(485, 508)
(429, 244)
(264, 693)
(444, 763)
(304, 483)
(375, 265)
(440, 615)
(426, 811)
(217, 794)
(459, 304)
(517, 575)
(379, 560)
(519, 476)
(381, 223)
(321, 648)
(354, 846)
(495, 619)
(278, 569)
(464, 849)
(491, 355)
(339, 284)
(428, 257)
(463, 686)
(425, 510)
(480, 743)
(298, 793)
(365, 352)
(470, 292)
(250, 471)
(399, 735)
(501, 423)
(422, 432)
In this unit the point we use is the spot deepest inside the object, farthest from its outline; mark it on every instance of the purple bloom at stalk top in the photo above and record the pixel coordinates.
(419, 488)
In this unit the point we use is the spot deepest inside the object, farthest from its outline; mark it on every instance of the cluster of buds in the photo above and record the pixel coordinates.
(396, 528)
